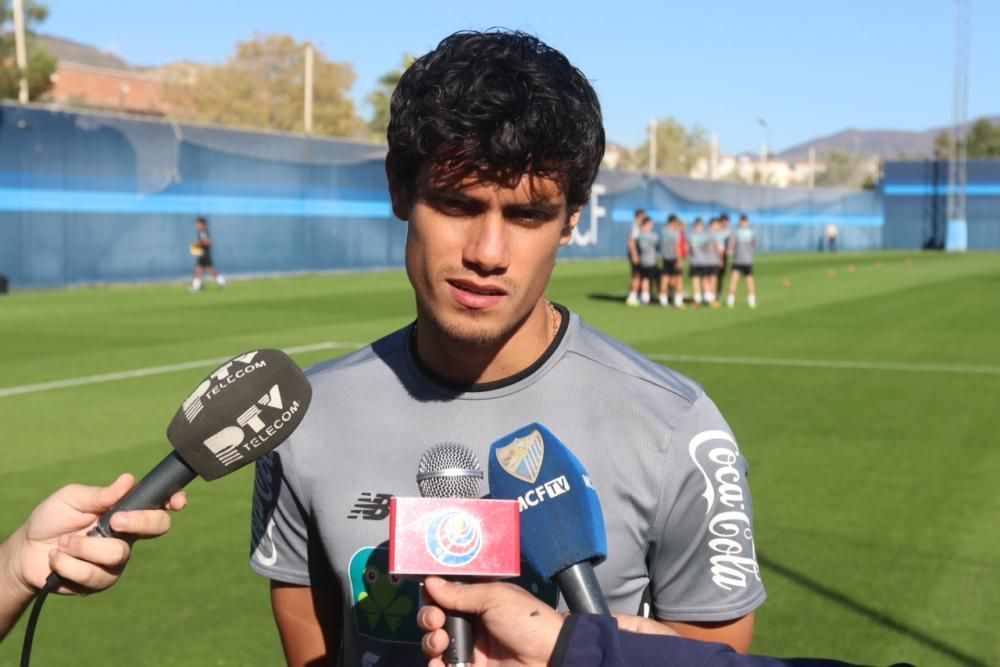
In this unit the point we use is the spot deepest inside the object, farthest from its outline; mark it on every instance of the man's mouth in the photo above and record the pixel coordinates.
(474, 295)
(476, 288)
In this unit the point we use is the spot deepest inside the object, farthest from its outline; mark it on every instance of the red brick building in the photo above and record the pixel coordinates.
(100, 87)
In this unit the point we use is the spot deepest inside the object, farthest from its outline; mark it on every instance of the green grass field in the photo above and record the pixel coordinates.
(868, 405)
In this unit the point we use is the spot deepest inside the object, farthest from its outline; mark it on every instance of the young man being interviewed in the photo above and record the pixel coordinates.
(495, 140)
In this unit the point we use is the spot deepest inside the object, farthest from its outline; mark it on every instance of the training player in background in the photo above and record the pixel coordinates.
(202, 249)
(648, 246)
(742, 244)
(722, 239)
(633, 258)
(671, 279)
(703, 266)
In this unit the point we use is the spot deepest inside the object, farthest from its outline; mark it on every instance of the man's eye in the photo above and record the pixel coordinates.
(454, 206)
(531, 218)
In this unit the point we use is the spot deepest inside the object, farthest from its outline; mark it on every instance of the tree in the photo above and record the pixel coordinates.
(262, 86)
(982, 141)
(843, 170)
(380, 97)
(942, 146)
(41, 64)
(677, 149)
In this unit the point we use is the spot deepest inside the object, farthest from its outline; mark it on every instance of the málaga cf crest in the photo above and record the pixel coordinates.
(523, 457)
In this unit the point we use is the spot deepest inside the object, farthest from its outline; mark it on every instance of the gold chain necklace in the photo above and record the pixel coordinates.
(555, 319)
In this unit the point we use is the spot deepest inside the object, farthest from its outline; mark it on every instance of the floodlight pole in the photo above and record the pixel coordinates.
(653, 126)
(20, 52)
(763, 149)
(307, 121)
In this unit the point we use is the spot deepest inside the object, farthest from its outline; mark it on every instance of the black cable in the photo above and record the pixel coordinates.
(52, 583)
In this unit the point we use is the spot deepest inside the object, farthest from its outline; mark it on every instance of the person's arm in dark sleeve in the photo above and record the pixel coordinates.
(595, 641)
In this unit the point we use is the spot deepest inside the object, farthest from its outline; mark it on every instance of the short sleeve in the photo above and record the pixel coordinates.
(280, 532)
(703, 563)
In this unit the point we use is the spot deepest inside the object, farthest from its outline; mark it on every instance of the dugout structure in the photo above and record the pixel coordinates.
(915, 199)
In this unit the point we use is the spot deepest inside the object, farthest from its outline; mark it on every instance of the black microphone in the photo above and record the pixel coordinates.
(240, 412)
(450, 470)
(245, 408)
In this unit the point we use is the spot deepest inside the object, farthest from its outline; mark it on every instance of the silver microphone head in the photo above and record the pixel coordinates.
(449, 470)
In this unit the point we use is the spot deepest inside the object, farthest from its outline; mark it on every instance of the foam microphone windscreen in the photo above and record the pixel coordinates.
(561, 519)
(240, 412)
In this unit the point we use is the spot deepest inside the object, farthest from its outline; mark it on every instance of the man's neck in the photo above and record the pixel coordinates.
(467, 363)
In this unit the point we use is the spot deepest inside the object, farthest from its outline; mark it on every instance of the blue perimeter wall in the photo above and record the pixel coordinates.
(91, 198)
(915, 198)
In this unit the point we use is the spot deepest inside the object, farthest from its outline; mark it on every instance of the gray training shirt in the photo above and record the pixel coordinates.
(704, 251)
(668, 243)
(744, 242)
(671, 479)
(646, 243)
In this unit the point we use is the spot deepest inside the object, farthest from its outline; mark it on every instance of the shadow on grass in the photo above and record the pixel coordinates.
(874, 615)
(606, 297)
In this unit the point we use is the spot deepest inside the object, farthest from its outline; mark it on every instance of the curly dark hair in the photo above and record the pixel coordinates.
(497, 105)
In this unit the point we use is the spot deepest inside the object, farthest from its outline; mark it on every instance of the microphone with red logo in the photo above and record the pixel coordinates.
(245, 408)
(561, 519)
(453, 533)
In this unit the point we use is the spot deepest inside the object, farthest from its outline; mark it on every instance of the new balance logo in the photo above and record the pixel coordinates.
(371, 507)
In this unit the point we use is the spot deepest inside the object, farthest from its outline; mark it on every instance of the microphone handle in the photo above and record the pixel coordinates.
(168, 477)
(578, 584)
(460, 642)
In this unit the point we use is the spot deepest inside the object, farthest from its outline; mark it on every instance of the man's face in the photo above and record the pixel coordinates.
(479, 255)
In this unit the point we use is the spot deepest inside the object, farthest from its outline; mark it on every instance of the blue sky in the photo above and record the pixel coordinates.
(808, 67)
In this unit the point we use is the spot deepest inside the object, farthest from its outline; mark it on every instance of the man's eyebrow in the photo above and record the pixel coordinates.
(539, 207)
(442, 194)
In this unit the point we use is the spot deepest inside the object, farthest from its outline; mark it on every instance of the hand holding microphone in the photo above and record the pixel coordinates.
(240, 412)
(451, 532)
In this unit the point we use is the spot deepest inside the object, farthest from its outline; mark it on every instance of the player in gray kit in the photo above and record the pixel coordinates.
(648, 247)
(671, 279)
(704, 264)
(722, 233)
(741, 246)
(494, 142)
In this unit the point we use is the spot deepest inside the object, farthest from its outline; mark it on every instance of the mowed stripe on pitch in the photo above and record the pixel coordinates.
(331, 345)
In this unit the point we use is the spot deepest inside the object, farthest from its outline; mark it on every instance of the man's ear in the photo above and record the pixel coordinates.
(399, 195)
(566, 234)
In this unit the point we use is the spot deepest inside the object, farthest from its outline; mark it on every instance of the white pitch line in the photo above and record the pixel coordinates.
(331, 345)
(832, 363)
(153, 370)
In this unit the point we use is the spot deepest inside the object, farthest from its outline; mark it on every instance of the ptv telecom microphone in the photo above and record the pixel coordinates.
(240, 412)
(561, 519)
(245, 408)
(452, 533)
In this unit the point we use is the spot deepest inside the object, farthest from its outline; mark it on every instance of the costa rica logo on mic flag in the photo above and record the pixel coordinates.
(523, 457)
(454, 538)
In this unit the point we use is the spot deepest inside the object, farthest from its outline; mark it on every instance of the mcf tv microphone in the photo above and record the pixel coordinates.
(561, 519)
(452, 533)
